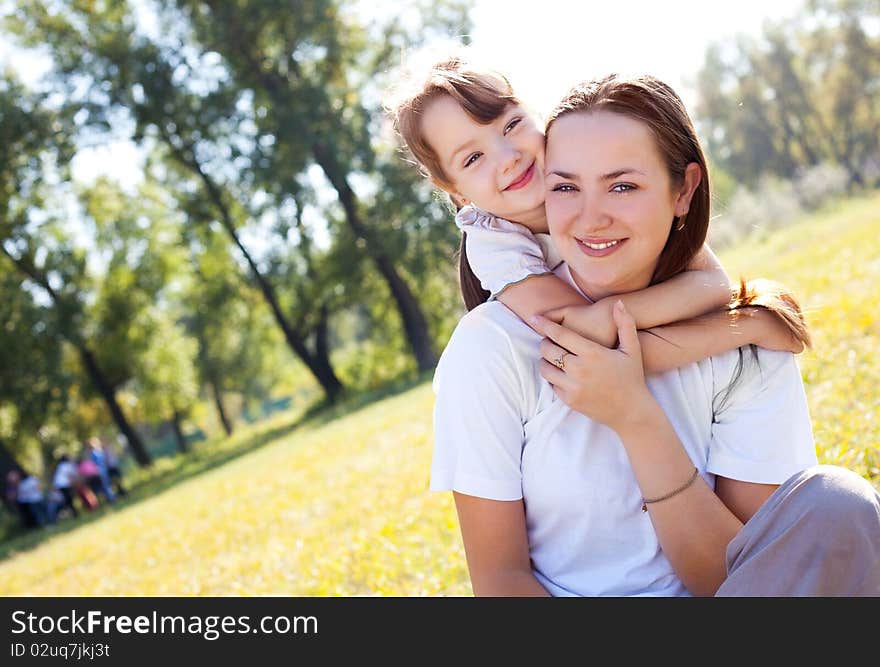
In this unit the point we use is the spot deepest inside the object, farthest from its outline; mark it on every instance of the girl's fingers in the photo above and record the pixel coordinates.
(556, 315)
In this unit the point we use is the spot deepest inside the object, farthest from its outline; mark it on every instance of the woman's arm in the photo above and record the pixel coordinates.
(496, 547)
(703, 288)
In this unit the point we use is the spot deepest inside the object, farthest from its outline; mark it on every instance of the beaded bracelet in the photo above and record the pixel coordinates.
(645, 501)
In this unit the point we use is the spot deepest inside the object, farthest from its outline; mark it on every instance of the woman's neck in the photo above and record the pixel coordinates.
(596, 292)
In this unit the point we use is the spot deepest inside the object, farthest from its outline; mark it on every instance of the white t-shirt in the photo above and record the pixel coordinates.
(502, 253)
(29, 490)
(501, 433)
(65, 473)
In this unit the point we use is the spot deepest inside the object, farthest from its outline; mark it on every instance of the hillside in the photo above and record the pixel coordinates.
(341, 508)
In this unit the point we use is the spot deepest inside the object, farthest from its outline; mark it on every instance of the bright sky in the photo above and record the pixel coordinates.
(544, 47)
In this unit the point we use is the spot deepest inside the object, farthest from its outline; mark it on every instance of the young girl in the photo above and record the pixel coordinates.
(473, 138)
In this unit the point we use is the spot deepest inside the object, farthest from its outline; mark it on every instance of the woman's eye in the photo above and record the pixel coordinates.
(471, 159)
(563, 187)
(623, 187)
(512, 124)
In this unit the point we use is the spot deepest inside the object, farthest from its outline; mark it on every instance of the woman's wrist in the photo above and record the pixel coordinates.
(643, 415)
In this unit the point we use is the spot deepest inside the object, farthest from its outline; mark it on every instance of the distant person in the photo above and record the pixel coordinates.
(54, 503)
(64, 481)
(113, 470)
(97, 455)
(31, 501)
(91, 477)
(83, 490)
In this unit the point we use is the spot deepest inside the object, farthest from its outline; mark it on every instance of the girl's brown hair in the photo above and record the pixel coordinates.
(484, 95)
(655, 104)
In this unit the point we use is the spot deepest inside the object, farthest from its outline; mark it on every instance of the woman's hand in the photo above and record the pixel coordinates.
(607, 385)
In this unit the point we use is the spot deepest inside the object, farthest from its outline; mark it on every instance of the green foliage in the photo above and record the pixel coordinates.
(802, 93)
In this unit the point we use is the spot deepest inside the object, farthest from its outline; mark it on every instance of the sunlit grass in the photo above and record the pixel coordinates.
(831, 261)
(341, 507)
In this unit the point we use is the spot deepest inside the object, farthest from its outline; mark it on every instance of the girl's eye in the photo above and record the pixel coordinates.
(563, 187)
(623, 187)
(471, 159)
(512, 124)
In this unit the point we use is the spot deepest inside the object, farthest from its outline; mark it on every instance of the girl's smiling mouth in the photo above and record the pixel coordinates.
(523, 180)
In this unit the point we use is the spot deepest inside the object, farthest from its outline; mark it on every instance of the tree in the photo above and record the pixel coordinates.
(243, 105)
(802, 93)
(195, 125)
(33, 238)
(237, 348)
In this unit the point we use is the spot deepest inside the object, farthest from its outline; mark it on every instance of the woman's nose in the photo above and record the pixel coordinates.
(593, 216)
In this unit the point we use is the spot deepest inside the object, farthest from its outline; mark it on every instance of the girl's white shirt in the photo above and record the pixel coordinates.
(502, 253)
(501, 433)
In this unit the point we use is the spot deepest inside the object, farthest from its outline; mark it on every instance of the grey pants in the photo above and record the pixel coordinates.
(817, 535)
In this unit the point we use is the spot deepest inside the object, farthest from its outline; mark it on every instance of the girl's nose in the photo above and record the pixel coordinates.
(510, 158)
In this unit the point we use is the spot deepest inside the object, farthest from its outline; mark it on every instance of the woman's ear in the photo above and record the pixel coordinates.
(693, 174)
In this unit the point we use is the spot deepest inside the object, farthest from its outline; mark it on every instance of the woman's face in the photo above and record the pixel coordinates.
(610, 202)
(499, 167)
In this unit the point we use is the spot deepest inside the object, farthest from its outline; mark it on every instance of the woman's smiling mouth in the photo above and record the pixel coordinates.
(599, 247)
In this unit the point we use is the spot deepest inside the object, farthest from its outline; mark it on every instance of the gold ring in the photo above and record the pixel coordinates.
(560, 361)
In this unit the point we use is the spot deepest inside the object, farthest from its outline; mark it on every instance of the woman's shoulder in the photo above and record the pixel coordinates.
(752, 373)
(489, 338)
(750, 361)
(491, 322)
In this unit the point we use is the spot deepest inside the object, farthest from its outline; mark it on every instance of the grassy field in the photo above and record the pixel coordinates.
(337, 505)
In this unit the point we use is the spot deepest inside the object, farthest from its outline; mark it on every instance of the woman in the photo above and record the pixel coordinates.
(573, 474)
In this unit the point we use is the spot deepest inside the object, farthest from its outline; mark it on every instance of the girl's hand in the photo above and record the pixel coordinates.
(767, 330)
(592, 321)
(605, 385)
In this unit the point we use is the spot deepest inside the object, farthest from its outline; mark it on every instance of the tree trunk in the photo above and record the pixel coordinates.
(325, 376)
(414, 323)
(141, 455)
(221, 410)
(138, 450)
(7, 461)
(178, 433)
(322, 348)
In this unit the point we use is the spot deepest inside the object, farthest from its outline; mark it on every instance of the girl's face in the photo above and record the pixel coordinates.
(610, 201)
(498, 167)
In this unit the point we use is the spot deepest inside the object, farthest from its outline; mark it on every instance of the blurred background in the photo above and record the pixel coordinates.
(217, 268)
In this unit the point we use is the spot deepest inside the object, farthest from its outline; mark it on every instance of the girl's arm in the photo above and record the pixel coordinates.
(703, 288)
(674, 345)
(496, 547)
